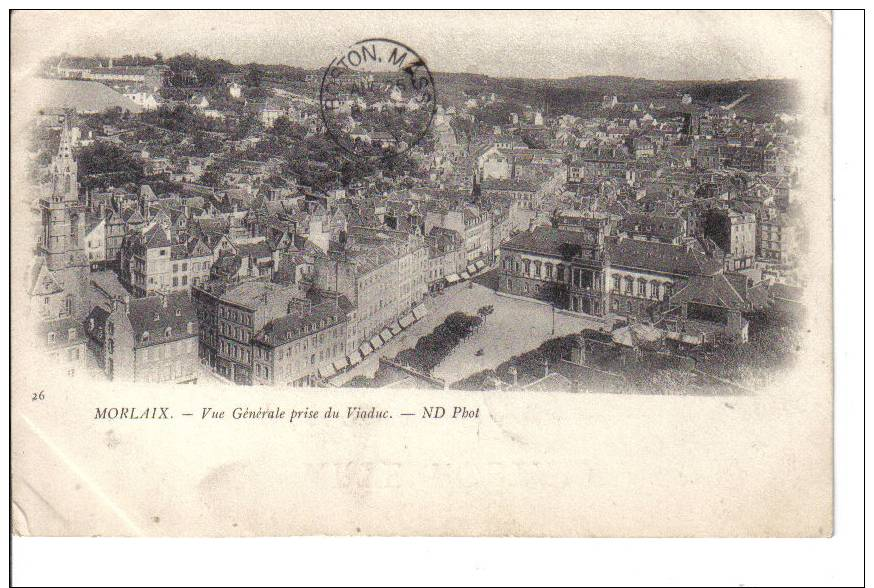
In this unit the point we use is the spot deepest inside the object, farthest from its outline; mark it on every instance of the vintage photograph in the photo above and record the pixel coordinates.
(405, 217)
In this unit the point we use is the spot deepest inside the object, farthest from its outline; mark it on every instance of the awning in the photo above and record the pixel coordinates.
(465, 276)
(480, 264)
(376, 342)
(365, 349)
(340, 365)
(395, 328)
(452, 278)
(386, 335)
(471, 269)
(355, 357)
(420, 311)
(406, 321)
(326, 371)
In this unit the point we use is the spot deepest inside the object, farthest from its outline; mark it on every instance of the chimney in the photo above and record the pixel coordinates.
(545, 367)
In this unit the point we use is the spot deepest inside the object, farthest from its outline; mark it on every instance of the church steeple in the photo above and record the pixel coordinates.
(65, 181)
(63, 218)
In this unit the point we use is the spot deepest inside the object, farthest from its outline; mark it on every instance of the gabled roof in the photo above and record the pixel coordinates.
(156, 237)
(153, 315)
(43, 283)
(711, 290)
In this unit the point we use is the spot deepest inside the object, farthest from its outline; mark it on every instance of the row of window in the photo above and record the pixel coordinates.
(535, 269)
(71, 335)
(235, 315)
(653, 289)
(168, 331)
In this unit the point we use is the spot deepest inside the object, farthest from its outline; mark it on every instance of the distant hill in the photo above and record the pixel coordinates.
(578, 95)
(80, 95)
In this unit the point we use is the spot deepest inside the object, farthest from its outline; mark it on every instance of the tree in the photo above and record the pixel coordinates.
(253, 77)
(104, 164)
(485, 311)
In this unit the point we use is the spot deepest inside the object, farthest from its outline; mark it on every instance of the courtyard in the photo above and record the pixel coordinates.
(515, 326)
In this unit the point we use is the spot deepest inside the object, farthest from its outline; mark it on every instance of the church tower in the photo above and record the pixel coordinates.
(63, 217)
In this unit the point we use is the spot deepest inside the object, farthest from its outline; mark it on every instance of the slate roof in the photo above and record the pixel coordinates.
(711, 290)
(150, 314)
(61, 328)
(660, 257)
(296, 325)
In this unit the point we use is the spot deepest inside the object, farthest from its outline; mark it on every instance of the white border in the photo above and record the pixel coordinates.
(365, 561)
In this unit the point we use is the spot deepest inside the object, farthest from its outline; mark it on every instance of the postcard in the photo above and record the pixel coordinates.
(450, 273)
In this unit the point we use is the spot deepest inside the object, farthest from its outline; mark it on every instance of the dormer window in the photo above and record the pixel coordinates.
(190, 327)
(157, 317)
(71, 334)
(167, 331)
(145, 337)
(178, 312)
(51, 338)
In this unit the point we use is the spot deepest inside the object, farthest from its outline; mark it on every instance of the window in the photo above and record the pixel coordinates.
(559, 273)
(184, 280)
(654, 290)
(110, 345)
(641, 287)
(629, 285)
(185, 266)
(71, 334)
(548, 269)
(175, 267)
(175, 281)
(527, 263)
(617, 283)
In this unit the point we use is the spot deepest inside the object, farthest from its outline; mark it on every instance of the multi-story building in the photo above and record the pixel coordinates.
(298, 348)
(234, 316)
(446, 256)
(777, 239)
(152, 339)
(565, 268)
(735, 233)
(383, 273)
(474, 224)
(95, 243)
(585, 271)
(64, 341)
(523, 193)
(151, 262)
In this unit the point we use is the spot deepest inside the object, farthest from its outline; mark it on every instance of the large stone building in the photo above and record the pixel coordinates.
(735, 233)
(152, 339)
(383, 273)
(584, 271)
(297, 349)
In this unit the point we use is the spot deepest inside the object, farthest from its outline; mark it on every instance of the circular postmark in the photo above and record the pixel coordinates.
(377, 99)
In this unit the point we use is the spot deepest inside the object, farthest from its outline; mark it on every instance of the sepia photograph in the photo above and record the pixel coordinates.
(471, 273)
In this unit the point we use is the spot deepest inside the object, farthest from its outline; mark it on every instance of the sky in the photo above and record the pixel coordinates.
(649, 44)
